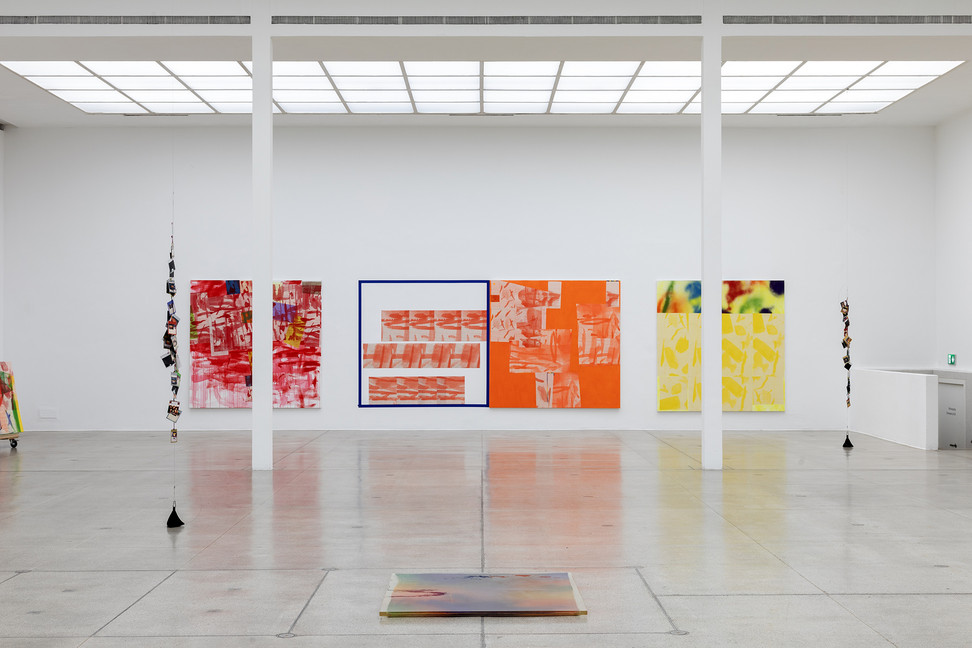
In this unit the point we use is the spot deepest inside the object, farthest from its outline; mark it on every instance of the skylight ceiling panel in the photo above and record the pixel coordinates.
(516, 96)
(46, 68)
(145, 82)
(297, 68)
(735, 108)
(232, 108)
(740, 96)
(818, 83)
(177, 107)
(599, 68)
(206, 68)
(230, 96)
(892, 82)
(521, 68)
(363, 68)
(443, 83)
(583, 107)
(872, 96)
(596, 96)
(218, 82)
(836, 68)
(793, 108)
(519, 83)
(383, 96)
(90, 96)
(658, 96)
(758, 68)
(305, 96)
(166, 96)
(120, 108)
(447, 108)
(370, 83)
(593, 83)
(125, 68)
(666, 83)
(314, 108)
(751, 83)
(499, 107)
(671, 68)
(670, 108)
(446, 96)
(380, 107)
(302, 83)
(848, 108)
(442, 68)
(800, 96)
(70, 83)
(916, 68)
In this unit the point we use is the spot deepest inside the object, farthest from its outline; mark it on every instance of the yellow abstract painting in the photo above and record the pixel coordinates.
(752, 363)
(679, 344)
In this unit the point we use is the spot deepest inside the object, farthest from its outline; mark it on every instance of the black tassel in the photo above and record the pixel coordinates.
(174, 521)
(847, 444)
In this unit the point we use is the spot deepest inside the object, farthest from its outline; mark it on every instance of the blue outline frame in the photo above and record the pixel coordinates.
(361, 282)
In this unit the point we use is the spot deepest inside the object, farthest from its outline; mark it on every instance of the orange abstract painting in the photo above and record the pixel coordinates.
(555, 344)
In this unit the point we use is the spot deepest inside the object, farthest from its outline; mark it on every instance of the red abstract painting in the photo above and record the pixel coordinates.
(221, 343)
(384, 355)
(417, 390)
(555, 344)
(433, 326)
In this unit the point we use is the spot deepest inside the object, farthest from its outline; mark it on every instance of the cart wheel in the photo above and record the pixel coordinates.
(13, 443)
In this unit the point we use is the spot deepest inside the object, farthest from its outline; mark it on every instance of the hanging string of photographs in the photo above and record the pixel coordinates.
(846, 342)
(170, 344)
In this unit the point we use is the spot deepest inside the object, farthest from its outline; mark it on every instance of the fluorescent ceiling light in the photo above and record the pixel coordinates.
(650, 108)
(521, 68)
(518, 83)
(46, 68)
(363, 68)
(370, 83)
(231, 96)
(758, 68)
(593, 83)
(499, 107)
(218, 83)
(125, 68)
(800, 96)
(658, 96)
(582, 108)
(70, 83)
(314, 108)
(838, 108)
(666, 83)
(301, 96)
(599, 68)
(442, 68)
(444, 83)
(383, 96)
(145, 82)
(750, 83)
(205, 68)
(892, 82)
(817, 83)
(433, 107)
(178, 108)
(516, 96)
(446, 96)
(125, 108)
(380, 108)
(573, 96)
(836, 68)
(93, 96)
(871, 96)
(671, 68)
(916, 68)
(785, 108)
(142, 96)
(302, 83)
(297, 68)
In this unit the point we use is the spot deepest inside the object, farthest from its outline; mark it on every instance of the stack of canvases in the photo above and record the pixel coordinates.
(9, 409)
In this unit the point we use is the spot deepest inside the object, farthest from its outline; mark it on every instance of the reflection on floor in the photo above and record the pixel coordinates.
(796, 543)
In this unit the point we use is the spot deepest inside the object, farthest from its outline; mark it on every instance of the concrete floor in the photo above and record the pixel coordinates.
(796, 543)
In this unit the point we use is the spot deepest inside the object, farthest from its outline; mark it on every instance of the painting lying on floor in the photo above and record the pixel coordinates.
(221, 343)
(422, 343)
(679, 345)
(424, 595)
(752, 346)
(9, 409)
(555, 344)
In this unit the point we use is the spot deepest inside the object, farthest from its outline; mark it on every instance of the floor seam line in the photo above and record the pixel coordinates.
(658, 602)
(309, 599)
(134, 603)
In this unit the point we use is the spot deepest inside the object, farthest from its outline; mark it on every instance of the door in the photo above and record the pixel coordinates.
(951, 414)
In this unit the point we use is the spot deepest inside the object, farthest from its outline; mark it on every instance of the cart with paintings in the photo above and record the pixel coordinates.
(10, 425)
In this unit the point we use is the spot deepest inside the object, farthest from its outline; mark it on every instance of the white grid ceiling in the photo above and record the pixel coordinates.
(481, 87)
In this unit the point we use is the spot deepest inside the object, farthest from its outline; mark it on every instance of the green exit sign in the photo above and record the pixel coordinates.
(951, 358)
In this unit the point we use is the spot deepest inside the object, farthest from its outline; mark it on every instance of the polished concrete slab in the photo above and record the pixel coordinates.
(797, 542)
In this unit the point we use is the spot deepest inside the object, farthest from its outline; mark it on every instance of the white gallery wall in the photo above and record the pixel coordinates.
(87, 221)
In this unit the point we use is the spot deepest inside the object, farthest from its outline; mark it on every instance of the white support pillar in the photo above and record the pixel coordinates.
(262, 180)
(712, 235)
(3, 244)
